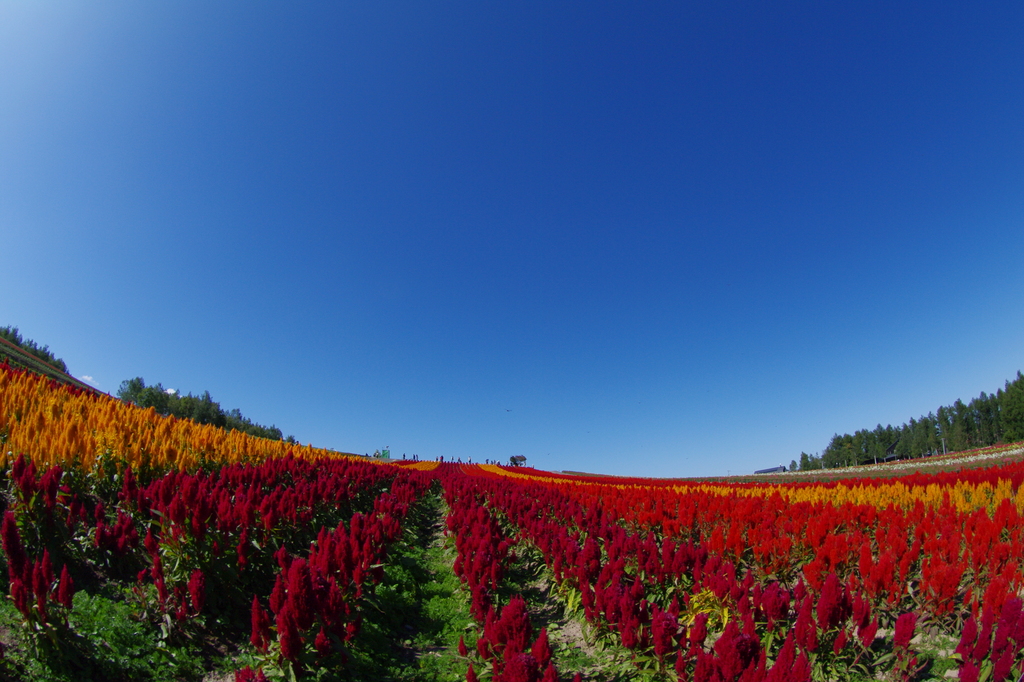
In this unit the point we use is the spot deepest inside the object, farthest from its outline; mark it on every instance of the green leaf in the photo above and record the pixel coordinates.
(885, 658)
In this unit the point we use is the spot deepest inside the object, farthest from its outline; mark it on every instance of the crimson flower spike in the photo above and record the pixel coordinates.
(17, 559)
(66, 591)
(260, 621)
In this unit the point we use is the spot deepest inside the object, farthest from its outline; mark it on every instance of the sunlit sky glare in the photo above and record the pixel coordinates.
(657, 239)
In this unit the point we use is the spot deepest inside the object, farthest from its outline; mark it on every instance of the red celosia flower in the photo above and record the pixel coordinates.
(277, 595)
(66, 591)
(783, 665)
(18, 469)
(681, 666)
(541, 650)
(150, 543)
(699, 630)
(300, 594)
(463, 651)
(867, 634)
(260, 636)
(179, 596)
(663, 630)
(775, 603)
(20, 596)
(351, 629)
(736, 652)
(471, 674)
(833, 605)
(282, 558)
(861, 611)
(129, 489)
(1003, 665)
(800, 591)
(13, 548)
(970, 672)
(322, 644)
(805, 628)
(246, 674)
(242, 548)
(983, 647)
(630, 632)
(1010, 628)
(197, 590)
(801, 670)
(49, 484)
(40, 586)
(704, 670)
(905, 625)
(46, 570)
(520, 667)
(75, 511)
(158, 579)
(514, 625)
(968, 638)
(840, 642)
(288, 634)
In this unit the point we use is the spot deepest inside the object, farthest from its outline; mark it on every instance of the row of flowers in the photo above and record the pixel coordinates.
(830, 576)
(506, 649)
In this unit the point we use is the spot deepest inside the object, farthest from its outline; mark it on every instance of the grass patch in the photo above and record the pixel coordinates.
(110, 643)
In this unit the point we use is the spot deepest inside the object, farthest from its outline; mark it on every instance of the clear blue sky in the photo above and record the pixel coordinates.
(636, 238)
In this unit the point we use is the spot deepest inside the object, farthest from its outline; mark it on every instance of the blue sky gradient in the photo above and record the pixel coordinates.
(661, 240)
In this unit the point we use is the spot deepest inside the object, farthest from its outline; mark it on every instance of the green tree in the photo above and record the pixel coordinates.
(960, 433)
(809, 462)
(131, 390)
(1012, 409)
(136, 391)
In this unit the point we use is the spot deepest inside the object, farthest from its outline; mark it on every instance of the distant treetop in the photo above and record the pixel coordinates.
(32, 348)
(202, 409)
(989, 419)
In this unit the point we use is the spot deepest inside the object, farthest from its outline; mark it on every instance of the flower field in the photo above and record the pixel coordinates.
(224, 556)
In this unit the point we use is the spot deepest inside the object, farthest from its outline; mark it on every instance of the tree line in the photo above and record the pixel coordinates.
(199, 408)
(989, 419)
(43, 353)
